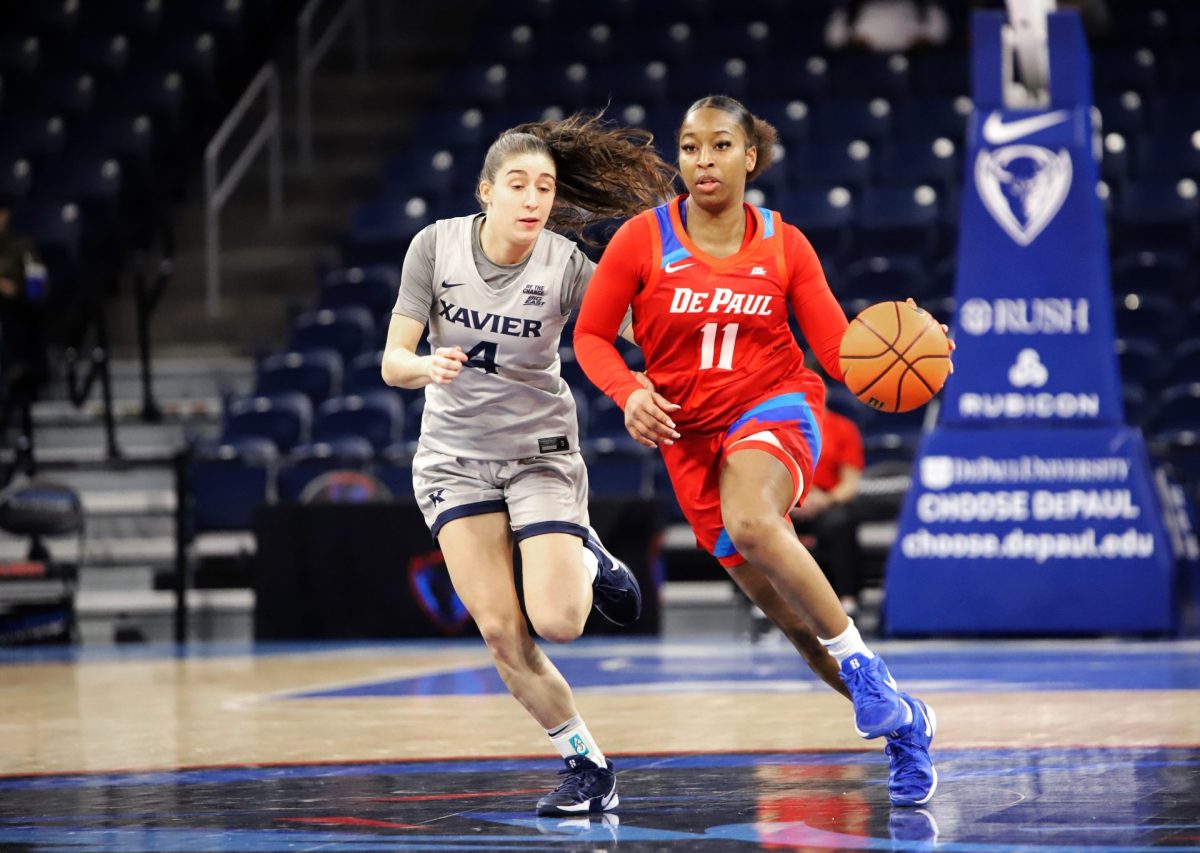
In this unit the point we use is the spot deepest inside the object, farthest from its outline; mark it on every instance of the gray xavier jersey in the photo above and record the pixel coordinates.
(510, 401)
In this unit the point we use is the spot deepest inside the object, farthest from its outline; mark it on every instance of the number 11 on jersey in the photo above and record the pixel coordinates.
(708, 342)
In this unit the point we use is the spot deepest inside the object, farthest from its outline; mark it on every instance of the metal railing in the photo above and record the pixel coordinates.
(310, 54)
(217, 189)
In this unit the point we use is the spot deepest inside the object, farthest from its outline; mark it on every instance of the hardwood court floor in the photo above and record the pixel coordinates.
(721, 745)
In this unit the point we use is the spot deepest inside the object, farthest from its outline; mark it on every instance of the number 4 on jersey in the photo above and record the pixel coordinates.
(483, 356)
(708, 341)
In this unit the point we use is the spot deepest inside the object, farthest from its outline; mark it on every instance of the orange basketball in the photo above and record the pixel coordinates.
(895, 357)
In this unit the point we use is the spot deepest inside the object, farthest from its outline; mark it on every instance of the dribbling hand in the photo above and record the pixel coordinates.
(646, 415)
(445, 364)
(945, 330)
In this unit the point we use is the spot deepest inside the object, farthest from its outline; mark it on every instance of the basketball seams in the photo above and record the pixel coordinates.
(910, 365)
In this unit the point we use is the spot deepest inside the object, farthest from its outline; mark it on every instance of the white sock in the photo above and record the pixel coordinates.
(590, 564)
(573, 738)
(847, 643)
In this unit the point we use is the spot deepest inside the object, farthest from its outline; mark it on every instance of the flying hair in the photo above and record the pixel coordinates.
(604, 171)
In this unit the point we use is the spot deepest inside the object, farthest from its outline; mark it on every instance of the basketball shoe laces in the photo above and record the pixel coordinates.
(576, 778)
(874, 690)
(907, 755)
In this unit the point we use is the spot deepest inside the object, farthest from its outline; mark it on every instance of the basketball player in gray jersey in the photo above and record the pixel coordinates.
(498, 457)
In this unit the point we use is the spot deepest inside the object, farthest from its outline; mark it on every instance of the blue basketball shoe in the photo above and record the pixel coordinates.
(588, 789)
(878, 706)
(615, 591)
(912, 778)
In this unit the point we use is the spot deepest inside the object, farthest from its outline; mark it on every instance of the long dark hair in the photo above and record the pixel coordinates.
(604, 171)
(759, 133)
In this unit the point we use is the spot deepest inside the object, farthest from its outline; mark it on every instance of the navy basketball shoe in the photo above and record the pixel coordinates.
(615, 591)
(912, 778)
(878, 706)
(588, 789)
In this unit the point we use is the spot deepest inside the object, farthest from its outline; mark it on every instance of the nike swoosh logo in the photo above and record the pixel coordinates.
(997, 131)
(448, 284)
(676, 267)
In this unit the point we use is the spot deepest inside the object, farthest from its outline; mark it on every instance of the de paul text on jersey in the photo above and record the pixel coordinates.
(721, 300)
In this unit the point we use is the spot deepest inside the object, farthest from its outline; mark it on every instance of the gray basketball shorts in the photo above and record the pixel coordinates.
(541, 494)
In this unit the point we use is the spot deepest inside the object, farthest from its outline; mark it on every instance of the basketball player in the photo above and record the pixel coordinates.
(498, 457)
(732, 407)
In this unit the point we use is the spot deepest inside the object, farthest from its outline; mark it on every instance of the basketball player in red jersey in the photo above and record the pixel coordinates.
(733, 408)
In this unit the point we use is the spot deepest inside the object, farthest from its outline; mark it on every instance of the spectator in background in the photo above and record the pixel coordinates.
(886, 25)
(24, 366)
(827, 512)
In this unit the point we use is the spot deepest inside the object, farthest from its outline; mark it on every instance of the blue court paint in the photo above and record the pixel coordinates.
(974, 667)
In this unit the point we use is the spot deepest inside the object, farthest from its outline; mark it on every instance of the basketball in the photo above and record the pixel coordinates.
(895, 357)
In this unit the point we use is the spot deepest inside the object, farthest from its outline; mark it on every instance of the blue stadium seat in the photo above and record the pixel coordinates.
(373, 288)
(591, 41)
(308, 461)
(1182, 365)
(39, 138)
(825, 216)
(228, 482)
(315, 373)
(1141, 315)
(571, 85)
(284, 419)
(1141, 360)
(583, 411)
(1166, 274)
(1125, 69)
(395, 470)
(382, 230)
(1178, 409)
(1169, 156)
(844, 164)
(1174, 112)
(16, 177)
(363, 375)
(666, 504)
(926, 119)
(1157, 215)
(934, 162)
(414, 411)
(940, 74)
(866, 75)
(897, 221)
(1180, 73)
(606, 428)
(432, 173)
(20, 56)
(348, 330)
(749, 37)
(378, 417)
(484, 86)
(882, 278)
(791, 76)
(457, 129)
(619, 474)
(792, 119)
(1124, 113)
(648, 79)
(505, 42)
(844, 120)
(668, 39)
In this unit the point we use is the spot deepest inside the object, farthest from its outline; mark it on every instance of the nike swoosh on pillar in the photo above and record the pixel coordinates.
(997, 131)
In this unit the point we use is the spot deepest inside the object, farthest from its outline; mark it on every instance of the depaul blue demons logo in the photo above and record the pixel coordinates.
(434, 593)
(1023, 187)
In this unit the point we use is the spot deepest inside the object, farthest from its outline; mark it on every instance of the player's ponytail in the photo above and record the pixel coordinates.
(759, 133)
(603, 171)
